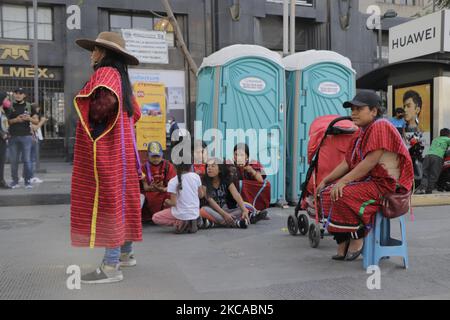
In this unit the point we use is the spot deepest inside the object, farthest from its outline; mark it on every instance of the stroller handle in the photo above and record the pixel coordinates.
(332, 123)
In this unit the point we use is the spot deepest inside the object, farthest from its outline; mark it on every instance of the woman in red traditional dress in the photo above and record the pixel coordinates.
(377, 163)
(105, 198)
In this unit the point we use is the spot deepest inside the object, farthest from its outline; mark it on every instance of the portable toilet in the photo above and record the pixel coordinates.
(318, 83)
(243, 87)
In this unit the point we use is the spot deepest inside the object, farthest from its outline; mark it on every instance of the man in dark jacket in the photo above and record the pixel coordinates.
(20, 115)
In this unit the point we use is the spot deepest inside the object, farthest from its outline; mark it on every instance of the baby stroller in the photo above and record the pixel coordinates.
(327, 147)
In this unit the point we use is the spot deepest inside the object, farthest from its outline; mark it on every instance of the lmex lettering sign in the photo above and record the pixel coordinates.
(28, 73)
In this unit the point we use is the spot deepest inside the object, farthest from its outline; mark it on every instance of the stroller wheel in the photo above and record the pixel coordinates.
(314, 235)
(303, 224)
(292, 225)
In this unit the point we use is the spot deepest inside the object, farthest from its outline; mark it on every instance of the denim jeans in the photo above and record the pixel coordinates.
(3, 147)
(18, 145)
(34, 154)
(112, 255)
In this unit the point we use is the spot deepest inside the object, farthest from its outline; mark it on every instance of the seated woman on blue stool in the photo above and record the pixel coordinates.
(377, 163)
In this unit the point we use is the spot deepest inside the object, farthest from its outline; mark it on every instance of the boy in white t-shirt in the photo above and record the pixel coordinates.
(185, 191)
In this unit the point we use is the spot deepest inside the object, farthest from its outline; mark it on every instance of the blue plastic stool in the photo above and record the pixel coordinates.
(378, 244)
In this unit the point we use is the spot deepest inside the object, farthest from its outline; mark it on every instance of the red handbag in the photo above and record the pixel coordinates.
(255, 193)
(395, 205)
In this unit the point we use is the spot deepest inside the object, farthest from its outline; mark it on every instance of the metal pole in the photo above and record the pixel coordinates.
(35, 53)
(36, 69)
(380, 43)
(292, 38)
(285, 27)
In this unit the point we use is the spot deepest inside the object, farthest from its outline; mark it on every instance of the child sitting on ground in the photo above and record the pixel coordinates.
(225, 204)
(253, 186)
(185, 190)
(158, 172)
(433, 161)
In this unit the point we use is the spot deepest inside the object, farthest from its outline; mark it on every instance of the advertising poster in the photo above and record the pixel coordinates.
(151, 97)
(416, 101)
(175, 94)
(175, 90)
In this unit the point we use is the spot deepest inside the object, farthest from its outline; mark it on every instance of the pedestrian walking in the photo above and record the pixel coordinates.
(105, 197)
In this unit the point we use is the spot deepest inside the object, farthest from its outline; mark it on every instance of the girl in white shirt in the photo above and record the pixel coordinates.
(185, 190)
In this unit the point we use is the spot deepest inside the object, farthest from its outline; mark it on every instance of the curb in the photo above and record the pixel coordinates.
(431, 200)
(34, 200)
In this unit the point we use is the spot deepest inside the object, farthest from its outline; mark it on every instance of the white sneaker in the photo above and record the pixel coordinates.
(127, 260)
(28, 186)
(21, 180)
(36, 180)
(14, 186)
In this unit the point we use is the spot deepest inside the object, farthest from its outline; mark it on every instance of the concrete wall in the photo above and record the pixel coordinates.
(422, 7)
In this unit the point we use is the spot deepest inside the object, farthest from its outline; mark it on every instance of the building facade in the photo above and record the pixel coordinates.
(207, 26)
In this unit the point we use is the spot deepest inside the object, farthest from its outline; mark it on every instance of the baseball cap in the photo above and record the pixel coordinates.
(155, 149)
(364, 98)
(19, 90)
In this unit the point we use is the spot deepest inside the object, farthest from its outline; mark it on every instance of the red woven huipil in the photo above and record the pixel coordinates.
(362, 199)
(105, 204)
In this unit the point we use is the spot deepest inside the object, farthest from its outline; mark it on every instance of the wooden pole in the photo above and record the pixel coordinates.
(179, 37)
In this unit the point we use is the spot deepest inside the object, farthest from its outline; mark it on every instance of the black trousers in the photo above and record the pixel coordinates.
(344, 237)
(432, 167)
(3, 147)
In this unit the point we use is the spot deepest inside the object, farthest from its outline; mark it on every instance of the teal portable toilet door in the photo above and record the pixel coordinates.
(252, 97)
(324, 88)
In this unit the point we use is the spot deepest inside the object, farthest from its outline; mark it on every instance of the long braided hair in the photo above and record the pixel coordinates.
(181, 169)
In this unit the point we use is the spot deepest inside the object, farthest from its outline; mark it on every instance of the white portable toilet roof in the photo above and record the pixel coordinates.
(302, 60)
(236, 51)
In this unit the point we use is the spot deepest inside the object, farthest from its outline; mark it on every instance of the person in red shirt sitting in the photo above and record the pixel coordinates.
(247, 170)
(158, 172)
(253, 188)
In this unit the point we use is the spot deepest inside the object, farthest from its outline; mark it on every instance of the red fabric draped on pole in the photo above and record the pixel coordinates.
(105, 205)
(362, 199)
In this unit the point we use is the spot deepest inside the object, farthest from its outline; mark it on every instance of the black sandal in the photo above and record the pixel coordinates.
(338, 257)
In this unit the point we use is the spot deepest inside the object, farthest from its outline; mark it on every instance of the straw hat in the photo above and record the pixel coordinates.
(111, 41)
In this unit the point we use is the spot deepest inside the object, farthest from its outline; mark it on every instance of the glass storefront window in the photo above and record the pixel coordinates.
(144, 23)
(16, 22)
